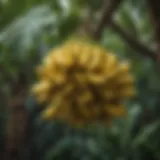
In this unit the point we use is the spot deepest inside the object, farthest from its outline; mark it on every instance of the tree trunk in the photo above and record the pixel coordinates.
(16, 129)
(154, 10)
(17, 124)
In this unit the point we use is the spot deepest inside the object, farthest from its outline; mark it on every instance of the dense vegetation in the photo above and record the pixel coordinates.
(28, 30)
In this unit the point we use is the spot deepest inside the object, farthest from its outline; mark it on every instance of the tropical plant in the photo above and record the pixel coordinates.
(31, 28)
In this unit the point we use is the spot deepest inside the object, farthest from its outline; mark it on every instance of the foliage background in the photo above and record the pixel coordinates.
(28, 29)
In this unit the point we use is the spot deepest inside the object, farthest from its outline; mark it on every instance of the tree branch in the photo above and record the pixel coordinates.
(109, 8)
(153, 7)
(107, 14)
(135, 44)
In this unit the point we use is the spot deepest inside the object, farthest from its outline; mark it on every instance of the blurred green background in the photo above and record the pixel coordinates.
(28, 29)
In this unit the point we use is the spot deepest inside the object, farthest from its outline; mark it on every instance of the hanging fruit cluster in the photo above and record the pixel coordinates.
(82, 83)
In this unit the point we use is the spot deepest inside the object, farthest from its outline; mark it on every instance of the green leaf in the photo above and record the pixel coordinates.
(146, 133)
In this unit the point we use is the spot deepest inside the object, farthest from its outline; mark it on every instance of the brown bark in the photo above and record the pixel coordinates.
(16, 131)
(110, 6)
(17, 123)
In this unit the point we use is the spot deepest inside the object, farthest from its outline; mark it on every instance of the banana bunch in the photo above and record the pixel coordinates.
(82, 83)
